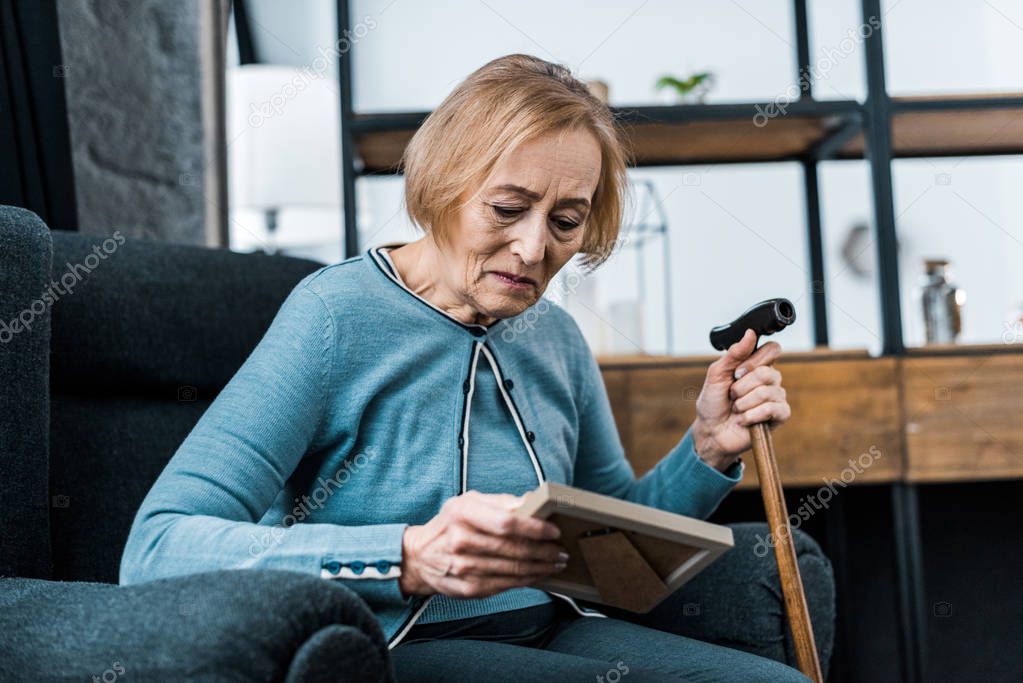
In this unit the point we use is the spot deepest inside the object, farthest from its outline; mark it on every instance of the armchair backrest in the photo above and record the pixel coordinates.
(143, 335)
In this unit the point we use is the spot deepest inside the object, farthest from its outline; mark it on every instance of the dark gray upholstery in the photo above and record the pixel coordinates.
(217, 626)
(191, 314)
(24, 404)
(141, 344)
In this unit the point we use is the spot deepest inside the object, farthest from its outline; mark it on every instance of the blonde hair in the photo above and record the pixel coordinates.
(504, 103)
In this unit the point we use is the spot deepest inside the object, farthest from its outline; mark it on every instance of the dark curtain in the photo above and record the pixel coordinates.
(35, 149)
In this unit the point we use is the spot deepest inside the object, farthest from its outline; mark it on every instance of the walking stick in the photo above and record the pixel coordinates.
(765, 318)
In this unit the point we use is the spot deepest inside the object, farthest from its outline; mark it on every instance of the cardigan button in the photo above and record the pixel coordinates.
(461, 440)
(508, 384)
(479, 331)
(465, 387)
(530, 436)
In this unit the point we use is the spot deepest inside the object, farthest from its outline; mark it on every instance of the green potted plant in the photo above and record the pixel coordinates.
(692, 89)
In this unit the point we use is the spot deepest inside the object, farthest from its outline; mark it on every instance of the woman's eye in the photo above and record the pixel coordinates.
(565, 224)
(506, 211)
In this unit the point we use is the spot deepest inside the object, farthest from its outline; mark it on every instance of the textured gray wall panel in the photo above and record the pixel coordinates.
(133, 91)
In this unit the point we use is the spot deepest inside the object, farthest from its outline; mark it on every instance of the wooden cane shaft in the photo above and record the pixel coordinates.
(785, 553)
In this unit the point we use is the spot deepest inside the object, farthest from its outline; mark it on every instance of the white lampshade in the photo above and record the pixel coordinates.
(282, 133)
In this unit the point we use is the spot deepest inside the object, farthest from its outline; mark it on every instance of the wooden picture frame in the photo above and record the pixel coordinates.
(621, 553)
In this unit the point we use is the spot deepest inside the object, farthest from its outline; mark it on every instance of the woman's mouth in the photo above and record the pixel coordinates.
(513, 281)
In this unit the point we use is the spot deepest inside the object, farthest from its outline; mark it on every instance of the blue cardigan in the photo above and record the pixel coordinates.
(349, 421)
(497, 460)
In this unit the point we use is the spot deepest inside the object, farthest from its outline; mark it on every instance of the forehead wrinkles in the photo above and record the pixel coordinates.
(563, 168)
(551, 186)
(571, 166)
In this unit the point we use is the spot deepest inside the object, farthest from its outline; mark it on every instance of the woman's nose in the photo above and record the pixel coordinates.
(530, 241)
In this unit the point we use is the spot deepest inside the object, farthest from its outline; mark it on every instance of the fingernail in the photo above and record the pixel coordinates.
(560, 566)
(551, 531)
(562, 557)
(740, 372)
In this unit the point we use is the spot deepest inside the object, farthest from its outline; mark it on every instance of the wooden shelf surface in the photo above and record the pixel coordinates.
(936, 415)
(956, 125)
(728, 141)
(644, 360)
(658, 135)
(963, 417)
(964, 125)
(653, 407)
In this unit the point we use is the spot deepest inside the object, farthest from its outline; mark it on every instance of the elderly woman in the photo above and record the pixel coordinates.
(383, 429)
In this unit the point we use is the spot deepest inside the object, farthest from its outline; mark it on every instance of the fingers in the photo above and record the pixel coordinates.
(762, 375)
(505, 500)
(490, 513)
(765, 393)
(766, 412)
(463, 566)
(463, 540)
(759, 397)
(723, 368)
(478, 546)
(765, 355)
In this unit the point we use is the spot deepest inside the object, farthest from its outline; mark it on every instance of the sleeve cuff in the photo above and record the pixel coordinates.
(732, 475)
(705, 485)
(734, 472)
(368, 560)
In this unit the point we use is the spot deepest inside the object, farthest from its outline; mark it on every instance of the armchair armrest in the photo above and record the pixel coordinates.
(25, 253)
(252, 625)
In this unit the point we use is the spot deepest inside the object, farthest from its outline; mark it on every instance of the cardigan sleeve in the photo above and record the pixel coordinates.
(202, 512)
(681, 482)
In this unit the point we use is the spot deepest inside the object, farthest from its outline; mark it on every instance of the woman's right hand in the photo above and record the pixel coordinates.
(477, 546)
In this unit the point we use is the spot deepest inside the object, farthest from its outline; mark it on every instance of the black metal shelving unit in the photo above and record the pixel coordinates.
(822, 130)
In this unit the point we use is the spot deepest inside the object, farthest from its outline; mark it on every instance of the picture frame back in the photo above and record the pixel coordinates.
(647, 553)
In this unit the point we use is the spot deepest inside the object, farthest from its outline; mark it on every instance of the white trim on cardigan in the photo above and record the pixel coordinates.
(379, 253)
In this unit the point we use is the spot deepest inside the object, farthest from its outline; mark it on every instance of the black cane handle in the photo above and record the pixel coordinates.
(767, 317)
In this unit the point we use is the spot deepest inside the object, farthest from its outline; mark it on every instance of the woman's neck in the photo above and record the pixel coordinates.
(422, 267)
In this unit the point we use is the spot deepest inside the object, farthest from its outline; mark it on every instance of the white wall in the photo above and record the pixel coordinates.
(737, 231)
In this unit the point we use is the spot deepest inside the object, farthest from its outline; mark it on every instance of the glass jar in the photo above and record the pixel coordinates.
(942, 304)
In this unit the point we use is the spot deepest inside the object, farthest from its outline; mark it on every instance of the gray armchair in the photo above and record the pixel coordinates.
(110, 351)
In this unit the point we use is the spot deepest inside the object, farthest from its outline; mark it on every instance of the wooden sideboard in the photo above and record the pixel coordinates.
(937, 414)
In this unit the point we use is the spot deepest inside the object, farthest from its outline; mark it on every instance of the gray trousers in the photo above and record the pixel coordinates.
(727, 624)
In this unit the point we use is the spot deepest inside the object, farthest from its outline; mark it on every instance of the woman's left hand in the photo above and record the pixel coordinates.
(740, 390)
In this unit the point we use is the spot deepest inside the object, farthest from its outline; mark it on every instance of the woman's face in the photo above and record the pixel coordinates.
(526, 222)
